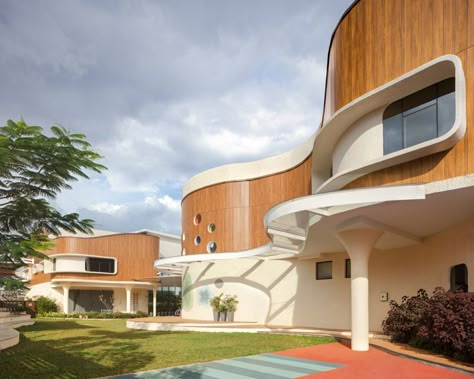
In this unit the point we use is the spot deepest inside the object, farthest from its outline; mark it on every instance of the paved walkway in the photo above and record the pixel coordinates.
(335, 360)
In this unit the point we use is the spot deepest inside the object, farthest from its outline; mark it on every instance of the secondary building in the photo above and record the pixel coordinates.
(105, 272)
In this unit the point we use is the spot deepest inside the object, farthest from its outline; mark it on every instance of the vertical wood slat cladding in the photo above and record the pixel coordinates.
(396, 37)
(237, 209)
(135, 254)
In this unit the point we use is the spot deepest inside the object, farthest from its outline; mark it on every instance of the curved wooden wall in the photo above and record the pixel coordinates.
(379, 40)
(237, 209)
(135, 254)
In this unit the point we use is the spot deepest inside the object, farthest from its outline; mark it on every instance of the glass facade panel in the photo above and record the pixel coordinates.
(419, 117)
(420, 126)
(446, 113)
(392, 134)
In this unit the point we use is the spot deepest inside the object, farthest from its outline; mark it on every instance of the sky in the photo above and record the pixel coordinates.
(164, 90)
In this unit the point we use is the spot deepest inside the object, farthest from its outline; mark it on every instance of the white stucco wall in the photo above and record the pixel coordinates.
(45, 289)
(169, 247)
(286, 292)
(362, 143)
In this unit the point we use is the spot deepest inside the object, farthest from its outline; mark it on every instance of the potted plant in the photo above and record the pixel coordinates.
(230, 303)
(222, 311)
(216, 305)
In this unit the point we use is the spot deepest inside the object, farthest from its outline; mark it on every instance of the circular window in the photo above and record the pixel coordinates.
(219, 283)
(184, 237)
(197, 219)
(197, 240)
(211, 247)
(211, 228)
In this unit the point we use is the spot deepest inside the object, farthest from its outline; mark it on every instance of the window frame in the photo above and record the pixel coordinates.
(113, 262)
(318, 274)
(397, 114)
(347, 272)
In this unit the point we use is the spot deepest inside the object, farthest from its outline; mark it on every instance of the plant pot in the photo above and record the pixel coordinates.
(230, 316)
(216, 315)
(222, 316)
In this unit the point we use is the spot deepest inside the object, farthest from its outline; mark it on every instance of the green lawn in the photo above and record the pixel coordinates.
(90, 349)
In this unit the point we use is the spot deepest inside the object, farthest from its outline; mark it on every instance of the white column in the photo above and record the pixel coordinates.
(359, 244)
(66, 299)
(129, 299)
(154, 301)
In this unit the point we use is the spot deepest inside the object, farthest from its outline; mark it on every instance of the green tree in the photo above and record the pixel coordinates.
(34, 168)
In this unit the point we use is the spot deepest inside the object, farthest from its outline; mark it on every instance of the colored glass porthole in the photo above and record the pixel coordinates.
(211, 228)
(211, 247)
(197, 219)
(197, 240)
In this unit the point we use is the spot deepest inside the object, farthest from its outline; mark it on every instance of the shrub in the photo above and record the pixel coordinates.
(45, 304)
(404, 319)
(443, 323)
(88, 315)
(451, 330)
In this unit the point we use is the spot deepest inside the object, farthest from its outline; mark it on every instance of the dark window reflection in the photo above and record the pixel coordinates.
(419, 117)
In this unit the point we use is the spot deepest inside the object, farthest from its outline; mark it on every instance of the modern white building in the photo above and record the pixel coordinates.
(376, 205)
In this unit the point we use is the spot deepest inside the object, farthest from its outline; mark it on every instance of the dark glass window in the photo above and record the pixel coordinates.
(348, 268)
(324, 270)
(458, 278)
(100, 265)
(419, 117)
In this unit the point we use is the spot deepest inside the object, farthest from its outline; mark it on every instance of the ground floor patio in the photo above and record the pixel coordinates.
(377, 341)
(334, 360)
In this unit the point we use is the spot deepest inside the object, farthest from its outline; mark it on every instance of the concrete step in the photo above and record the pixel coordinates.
(9, 337)
(11, 320)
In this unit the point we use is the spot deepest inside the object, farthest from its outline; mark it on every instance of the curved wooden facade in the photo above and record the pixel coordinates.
(380, 40)
(237, 209)
(135, 254)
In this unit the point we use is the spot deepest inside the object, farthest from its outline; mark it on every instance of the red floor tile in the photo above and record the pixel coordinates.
(373, 364)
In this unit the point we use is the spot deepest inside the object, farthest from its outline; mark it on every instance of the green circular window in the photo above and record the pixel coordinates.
(211, 228)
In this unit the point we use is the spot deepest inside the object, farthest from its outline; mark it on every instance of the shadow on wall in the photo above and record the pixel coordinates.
(261, 288)
(323, 303)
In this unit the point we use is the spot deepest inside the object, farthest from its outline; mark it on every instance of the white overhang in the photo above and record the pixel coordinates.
(306, 227)
(328, 135)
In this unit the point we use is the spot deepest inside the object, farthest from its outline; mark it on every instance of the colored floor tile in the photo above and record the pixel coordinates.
(263, 366)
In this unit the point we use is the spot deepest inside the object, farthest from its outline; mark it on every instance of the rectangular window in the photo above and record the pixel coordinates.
(348, 268)
(100, 265)
(419, 117)
(324, 270)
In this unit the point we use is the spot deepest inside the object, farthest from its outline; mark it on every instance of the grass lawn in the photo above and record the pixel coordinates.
(90, 349)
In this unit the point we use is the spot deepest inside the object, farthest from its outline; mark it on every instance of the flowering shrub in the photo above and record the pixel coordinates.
(443, 323)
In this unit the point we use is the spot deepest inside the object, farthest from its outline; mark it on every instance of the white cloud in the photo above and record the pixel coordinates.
(107, 208)
(187, 86)
(167, 201)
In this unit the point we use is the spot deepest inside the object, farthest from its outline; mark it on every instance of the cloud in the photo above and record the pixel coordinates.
(156, 213)
(165, 90)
